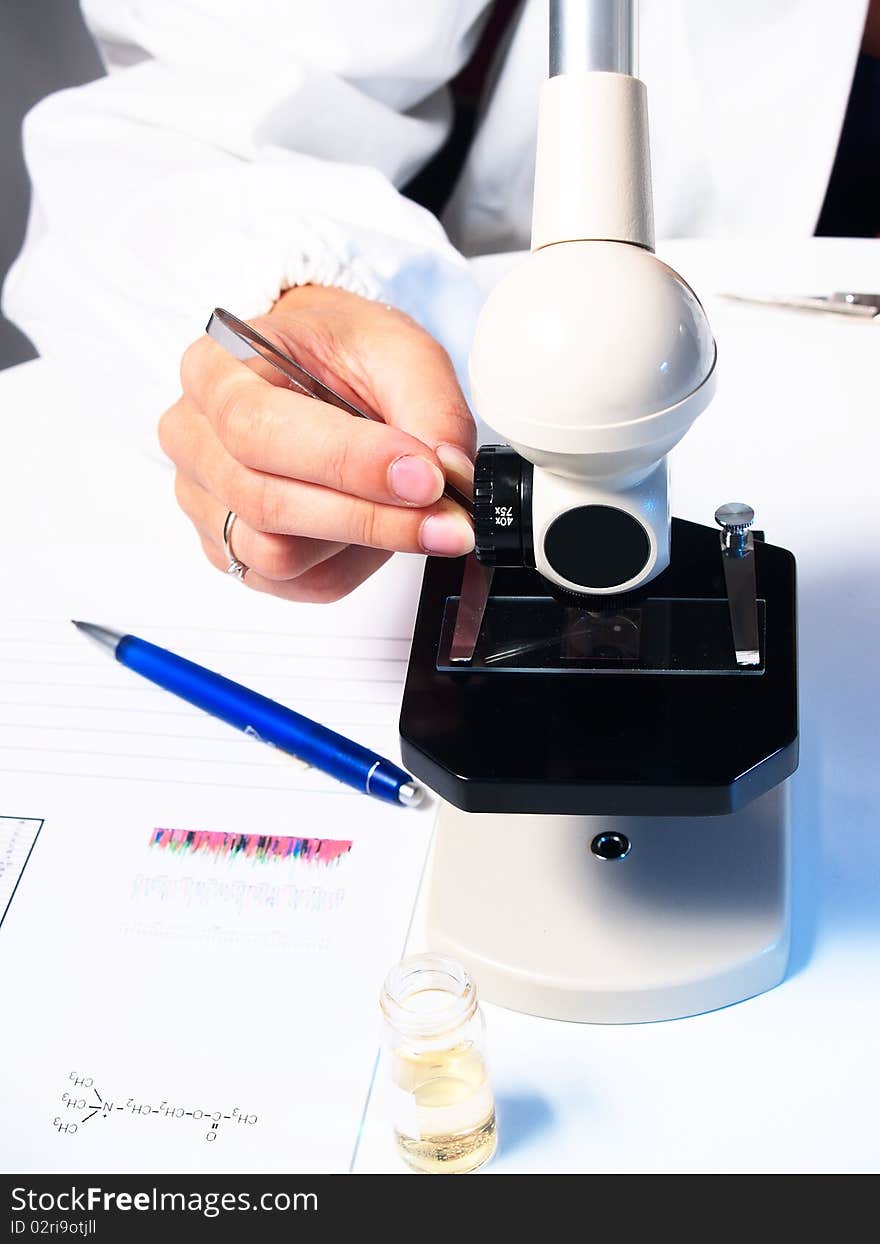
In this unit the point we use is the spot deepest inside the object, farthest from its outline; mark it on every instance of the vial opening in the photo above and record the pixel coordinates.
(428, 994)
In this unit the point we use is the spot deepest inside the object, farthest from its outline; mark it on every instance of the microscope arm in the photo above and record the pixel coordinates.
(588, 36)
(593, 163)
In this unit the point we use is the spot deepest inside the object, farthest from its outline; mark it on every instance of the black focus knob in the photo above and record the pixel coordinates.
(503, 507)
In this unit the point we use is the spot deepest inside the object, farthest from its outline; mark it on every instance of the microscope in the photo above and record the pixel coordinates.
(603, 697)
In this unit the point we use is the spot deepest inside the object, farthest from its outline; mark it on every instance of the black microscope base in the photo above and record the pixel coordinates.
(656, 733)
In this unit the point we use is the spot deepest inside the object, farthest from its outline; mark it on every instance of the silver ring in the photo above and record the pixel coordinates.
(236, 568)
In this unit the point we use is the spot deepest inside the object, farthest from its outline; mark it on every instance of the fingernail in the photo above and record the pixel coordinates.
(415, 480)
(458, 467)
(448, 535)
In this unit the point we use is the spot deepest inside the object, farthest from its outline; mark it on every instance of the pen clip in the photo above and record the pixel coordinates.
(252, 733)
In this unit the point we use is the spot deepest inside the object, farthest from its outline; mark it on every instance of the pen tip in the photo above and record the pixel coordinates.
(101, 635)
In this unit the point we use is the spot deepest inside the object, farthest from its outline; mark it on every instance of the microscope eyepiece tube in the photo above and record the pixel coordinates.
(589, 36)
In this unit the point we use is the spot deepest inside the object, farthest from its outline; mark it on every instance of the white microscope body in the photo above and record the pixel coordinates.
(592, 358)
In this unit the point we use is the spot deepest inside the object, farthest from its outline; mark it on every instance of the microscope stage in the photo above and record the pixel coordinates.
(637, 710)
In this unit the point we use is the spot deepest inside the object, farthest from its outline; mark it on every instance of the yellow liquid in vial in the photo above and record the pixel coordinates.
(452, 1108)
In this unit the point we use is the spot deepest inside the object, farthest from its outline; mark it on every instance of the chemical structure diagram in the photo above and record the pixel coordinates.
(82, 1103)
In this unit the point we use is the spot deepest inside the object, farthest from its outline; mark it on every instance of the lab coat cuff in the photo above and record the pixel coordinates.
(321, 263)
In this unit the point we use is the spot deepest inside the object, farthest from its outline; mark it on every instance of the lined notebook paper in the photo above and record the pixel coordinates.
(66, 708)
(196, 927)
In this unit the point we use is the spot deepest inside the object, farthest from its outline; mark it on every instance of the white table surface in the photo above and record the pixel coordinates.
(789, 1081)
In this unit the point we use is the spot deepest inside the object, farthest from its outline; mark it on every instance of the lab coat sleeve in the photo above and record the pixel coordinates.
(233, 151)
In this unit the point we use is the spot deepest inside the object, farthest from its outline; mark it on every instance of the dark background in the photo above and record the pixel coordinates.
(44, 46)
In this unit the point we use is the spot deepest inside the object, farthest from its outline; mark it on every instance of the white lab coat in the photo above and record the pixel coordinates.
(239, 147)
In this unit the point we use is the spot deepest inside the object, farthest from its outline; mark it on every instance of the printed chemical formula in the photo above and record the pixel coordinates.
(84, 1101)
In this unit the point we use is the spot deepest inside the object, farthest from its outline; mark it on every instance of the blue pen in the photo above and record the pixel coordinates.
(260, 717)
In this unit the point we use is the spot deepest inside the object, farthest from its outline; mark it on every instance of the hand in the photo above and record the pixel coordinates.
(323, 498)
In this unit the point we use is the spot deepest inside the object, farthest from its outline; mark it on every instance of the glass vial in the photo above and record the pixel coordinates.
(444, 1110)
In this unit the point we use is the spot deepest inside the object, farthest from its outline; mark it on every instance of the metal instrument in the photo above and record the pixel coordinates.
(244, 342)
(842, 302)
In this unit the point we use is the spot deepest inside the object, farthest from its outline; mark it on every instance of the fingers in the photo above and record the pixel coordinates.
(271, 503)
(322, 497)
(374, 355)
(271, 429)
(270, 556)
(330, 580)
(285, 566)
